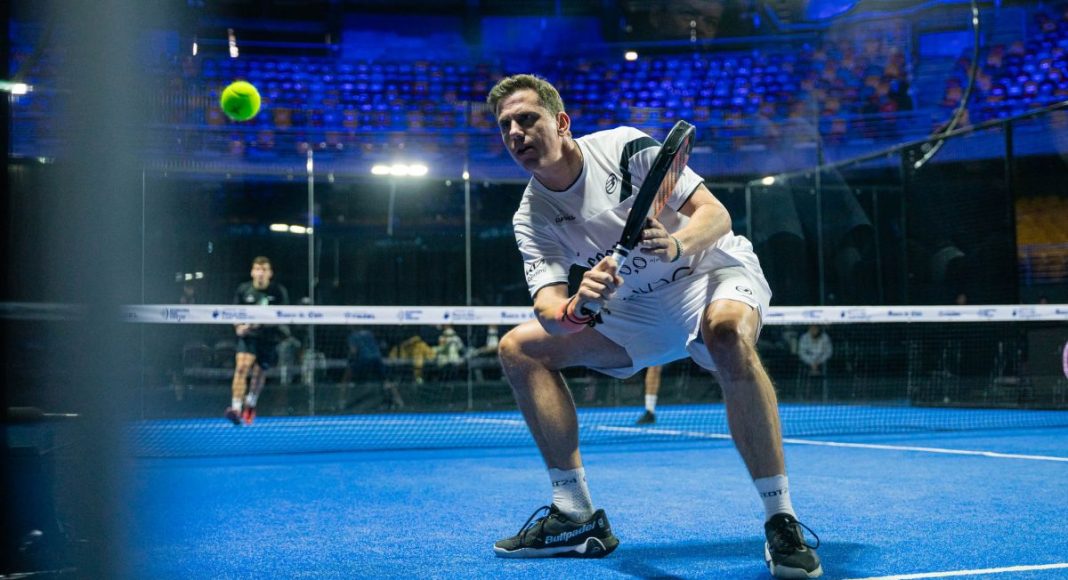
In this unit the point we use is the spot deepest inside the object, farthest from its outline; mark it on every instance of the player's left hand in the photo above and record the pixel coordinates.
(656, 241)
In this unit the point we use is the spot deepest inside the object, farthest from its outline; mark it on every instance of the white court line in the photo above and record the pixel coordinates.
(675, 432)
(700, 435)
(977, 572)
(926, 450)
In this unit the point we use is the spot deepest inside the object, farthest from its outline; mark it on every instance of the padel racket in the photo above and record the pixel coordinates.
(653, 195)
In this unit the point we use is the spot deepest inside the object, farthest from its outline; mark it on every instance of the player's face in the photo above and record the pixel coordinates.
(261, 275)
(532, 134)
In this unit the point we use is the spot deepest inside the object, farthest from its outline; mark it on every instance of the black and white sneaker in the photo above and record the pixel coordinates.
(786, 553)
(553, 535)
(648, 418)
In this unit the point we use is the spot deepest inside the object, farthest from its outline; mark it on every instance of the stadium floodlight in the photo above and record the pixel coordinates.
(769, 180)
(232, 41)
(279, 227)
(397, 170)
(15, 88)
(630, 55)
(400, 169)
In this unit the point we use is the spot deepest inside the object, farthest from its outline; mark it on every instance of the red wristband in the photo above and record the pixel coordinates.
(569, 320)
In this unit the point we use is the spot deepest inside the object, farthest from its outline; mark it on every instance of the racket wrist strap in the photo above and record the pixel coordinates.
(678, 249)
(570, 320)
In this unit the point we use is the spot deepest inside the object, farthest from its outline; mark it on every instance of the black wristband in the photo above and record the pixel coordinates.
(678, 250)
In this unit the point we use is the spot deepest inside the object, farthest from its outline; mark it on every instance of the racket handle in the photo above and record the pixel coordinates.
(620, 254)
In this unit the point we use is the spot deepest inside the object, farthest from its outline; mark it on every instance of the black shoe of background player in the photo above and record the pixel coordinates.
(233, 415)
(648, 418)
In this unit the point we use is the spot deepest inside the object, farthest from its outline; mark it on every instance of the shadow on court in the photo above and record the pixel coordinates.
(704, 559)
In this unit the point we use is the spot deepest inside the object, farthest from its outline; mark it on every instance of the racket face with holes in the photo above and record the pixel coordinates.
(660, 181)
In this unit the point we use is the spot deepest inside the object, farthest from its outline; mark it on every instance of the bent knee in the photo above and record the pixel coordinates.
(512, 348)
(728, 336)
(528, 346)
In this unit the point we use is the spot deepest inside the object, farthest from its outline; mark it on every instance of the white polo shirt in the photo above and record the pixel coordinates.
(558, 229)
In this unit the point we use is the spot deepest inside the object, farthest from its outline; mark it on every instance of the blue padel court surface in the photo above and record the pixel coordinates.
(897, 505)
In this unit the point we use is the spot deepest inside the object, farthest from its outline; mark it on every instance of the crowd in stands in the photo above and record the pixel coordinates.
(847, 85)
(765, 93)
(1017, 76)
(762, 95)
(757, 94)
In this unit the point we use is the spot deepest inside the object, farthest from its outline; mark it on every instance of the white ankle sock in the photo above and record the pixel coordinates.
(250, 399)
(650, 403)
(235, 404)
(775, 493)
(570, 493)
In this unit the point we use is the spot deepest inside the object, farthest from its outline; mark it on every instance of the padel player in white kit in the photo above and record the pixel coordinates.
(694, 290)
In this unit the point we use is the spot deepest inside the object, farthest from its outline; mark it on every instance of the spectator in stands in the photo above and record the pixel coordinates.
(414, 351)
(364, 357)
(815, 349)
(485, 357)
(189, 293)
(365, 366)
(492, 341)
(449, 352)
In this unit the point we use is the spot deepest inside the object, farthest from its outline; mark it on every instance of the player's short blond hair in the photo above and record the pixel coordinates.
(548, 96)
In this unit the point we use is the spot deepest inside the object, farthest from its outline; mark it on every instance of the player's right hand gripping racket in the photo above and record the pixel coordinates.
(654, 193)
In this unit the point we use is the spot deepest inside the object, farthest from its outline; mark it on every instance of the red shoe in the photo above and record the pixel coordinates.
(233, 416)
(248, 415)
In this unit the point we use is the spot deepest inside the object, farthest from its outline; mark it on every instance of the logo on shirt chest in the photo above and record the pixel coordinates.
(612, 184)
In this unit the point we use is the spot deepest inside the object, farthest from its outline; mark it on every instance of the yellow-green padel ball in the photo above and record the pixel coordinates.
(240, 101)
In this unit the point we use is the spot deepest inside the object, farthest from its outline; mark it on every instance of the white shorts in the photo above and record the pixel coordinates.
(666, 325)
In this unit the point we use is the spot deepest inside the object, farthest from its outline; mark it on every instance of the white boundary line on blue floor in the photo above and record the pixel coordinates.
(792, 441)
(976, 572)
(994, 454)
